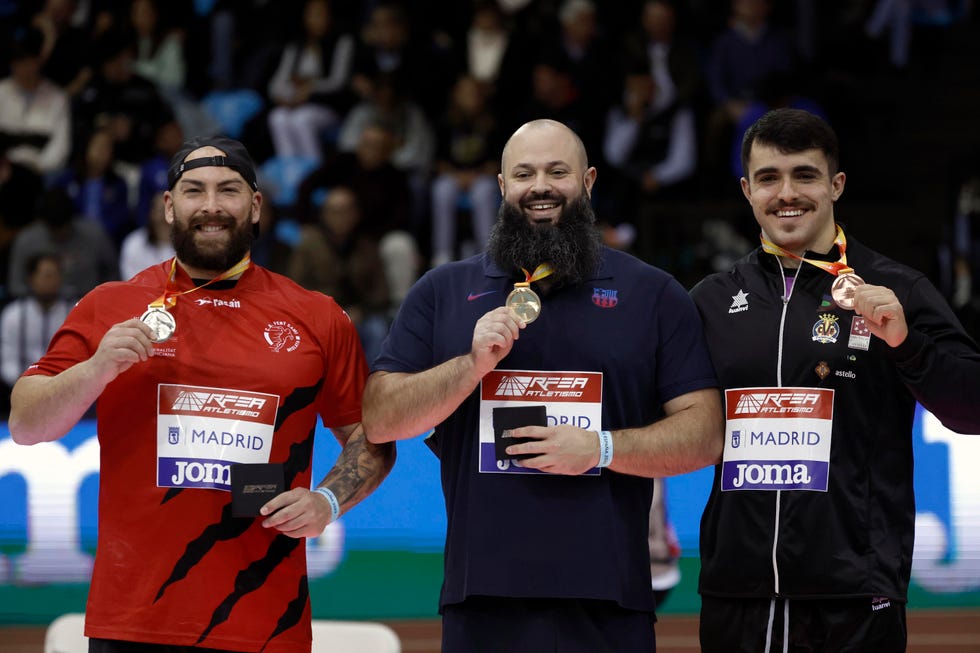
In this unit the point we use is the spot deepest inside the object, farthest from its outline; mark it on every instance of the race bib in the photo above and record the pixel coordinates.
(202, 431)
(777, 439)
(568, 397)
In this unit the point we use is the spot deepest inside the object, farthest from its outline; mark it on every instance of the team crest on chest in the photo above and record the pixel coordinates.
(604, 298)
(281, 336)
(826, 329)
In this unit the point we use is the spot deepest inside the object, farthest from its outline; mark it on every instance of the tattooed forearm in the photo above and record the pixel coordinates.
(359, 469)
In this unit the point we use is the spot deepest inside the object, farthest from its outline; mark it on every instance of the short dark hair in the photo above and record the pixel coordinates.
(792, 130)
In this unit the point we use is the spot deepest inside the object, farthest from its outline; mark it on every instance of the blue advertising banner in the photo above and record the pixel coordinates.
(384, 557)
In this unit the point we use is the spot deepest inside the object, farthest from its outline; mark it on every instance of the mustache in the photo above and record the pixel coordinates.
(198, 221)
(547, 195)
(779, 205)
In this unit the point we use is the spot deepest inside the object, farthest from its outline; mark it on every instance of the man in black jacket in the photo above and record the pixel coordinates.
(823, 347)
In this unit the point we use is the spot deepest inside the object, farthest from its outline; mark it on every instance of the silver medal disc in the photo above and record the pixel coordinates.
(161, 323)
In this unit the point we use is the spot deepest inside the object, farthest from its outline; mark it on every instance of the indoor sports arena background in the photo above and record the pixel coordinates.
(384, 561)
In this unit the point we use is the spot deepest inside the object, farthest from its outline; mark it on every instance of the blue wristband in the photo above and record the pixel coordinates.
(334, 504)
(605, 448)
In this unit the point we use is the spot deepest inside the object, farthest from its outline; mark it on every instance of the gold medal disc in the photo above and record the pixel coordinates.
(842, 290)
(525, 302)
(161, 323)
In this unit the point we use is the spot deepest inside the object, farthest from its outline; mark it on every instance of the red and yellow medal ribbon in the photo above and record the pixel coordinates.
(835, 268)
(169, 297)
(540, 272)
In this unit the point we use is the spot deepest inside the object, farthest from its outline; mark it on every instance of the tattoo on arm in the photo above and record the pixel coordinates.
(359, 469)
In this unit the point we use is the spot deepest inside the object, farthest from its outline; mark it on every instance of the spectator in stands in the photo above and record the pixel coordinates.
(467, 142)
(272, 248)
(581, 51)
(27, 324)
(128, 104)
(743, 54)
(35, 115)
(553, 95)
(97, 190)
(167, 141)
(311, 85)
(384, 199)
(387, 45)
(66, 47)
(652, 154)
(488, 40)
(159, 48)
(670, 58)
(148, 244)
(388, 102)
(778, 90)
(959, 251)
(337, 257)
(19, 188)
(87, 255)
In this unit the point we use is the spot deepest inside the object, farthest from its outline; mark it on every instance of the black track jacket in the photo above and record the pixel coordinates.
(854, 540)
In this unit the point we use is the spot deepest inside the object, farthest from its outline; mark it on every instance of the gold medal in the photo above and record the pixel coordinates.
(161, 323)
(842, 290)
(525, 302)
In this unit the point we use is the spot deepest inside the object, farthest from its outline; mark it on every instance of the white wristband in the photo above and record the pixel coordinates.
(605, 448)
(332, 499)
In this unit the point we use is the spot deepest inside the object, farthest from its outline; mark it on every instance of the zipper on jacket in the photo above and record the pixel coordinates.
(787, 292)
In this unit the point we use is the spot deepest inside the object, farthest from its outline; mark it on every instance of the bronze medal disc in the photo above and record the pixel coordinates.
(525, 302)
(842, 289)
(161, 322)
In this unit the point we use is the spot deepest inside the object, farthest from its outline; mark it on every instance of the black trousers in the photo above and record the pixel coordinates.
(829, 626)
(512, 625)
(118, 646)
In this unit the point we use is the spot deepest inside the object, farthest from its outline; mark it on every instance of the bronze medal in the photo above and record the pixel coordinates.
(161, 323)
(525, 302)
(842, 290)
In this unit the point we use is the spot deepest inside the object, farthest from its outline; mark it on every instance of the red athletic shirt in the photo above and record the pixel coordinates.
(172, 565)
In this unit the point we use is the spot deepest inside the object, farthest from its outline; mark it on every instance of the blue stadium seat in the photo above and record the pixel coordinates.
(281, 177)
(233, 108)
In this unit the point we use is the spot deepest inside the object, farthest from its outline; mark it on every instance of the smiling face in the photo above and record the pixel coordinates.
(543, 169)
(792, 197)
(211, 210)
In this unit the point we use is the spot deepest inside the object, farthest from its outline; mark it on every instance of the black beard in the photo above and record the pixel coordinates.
(214, 261)
(572, 246)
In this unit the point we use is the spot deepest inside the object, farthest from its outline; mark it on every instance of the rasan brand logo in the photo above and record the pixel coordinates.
(218, 303)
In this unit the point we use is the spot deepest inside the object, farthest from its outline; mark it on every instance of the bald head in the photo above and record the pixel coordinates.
(546, 133)
(543, 167)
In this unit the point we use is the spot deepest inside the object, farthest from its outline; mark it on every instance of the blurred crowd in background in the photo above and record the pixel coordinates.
(377, 128)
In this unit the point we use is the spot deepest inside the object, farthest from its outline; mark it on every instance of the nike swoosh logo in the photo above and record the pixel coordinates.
(477, 295)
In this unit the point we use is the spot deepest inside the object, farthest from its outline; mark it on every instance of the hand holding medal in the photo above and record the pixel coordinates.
(524, 301)
(160, 321)
(842, 290)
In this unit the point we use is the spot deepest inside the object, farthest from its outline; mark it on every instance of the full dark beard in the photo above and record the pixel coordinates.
(572, 246)
(212, 260)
